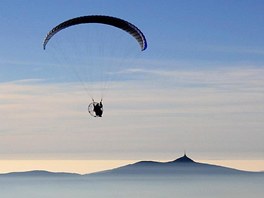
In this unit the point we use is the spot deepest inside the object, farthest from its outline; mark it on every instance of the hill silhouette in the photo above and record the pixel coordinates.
(40, 173)
(181, 166)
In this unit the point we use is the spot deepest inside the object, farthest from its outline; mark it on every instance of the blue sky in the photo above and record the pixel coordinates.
(198, 87)
(190, 31)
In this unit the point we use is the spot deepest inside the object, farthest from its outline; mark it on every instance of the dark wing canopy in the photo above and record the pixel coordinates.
(108, 20)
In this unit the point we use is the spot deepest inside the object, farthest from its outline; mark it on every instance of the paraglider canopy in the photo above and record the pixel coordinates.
(108, 20)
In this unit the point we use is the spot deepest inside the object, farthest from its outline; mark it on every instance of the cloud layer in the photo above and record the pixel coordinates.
(206, 112)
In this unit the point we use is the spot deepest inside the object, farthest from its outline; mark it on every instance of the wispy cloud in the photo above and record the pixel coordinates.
(243, 78)
(224, 108)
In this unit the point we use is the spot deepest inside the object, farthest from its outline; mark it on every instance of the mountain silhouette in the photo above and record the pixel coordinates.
(40, 173)
(181, 166)
(183, 159)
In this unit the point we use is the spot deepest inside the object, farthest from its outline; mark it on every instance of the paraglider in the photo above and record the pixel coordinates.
(95, 108)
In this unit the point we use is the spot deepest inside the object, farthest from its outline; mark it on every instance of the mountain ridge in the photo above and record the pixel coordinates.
(40, 173)
(180, 166)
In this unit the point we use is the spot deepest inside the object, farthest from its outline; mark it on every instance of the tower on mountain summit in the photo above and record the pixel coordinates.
(184, 159)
